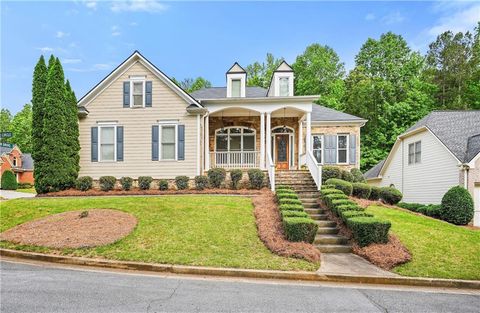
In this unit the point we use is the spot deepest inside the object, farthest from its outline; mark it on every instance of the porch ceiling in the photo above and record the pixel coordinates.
(287, 112)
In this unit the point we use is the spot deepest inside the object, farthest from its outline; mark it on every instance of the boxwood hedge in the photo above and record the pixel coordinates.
(368, 230)
(345, 186)
(300, 229)
(289, 213)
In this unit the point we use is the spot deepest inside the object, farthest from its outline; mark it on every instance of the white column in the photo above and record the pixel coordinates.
(308, 146)
(262, 141)
(269, 136)
(206, 145)
(199, 153)
(300, 143)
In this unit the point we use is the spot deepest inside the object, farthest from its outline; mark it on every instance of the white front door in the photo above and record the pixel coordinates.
(476, 203)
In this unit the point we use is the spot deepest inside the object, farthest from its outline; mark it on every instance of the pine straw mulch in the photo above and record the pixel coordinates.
(270, 230)
(385, 255)
(69, 230)
(149, 192)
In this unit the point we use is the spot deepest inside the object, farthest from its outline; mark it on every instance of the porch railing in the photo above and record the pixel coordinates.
(271, 171)
(231, 159)
(314, 168)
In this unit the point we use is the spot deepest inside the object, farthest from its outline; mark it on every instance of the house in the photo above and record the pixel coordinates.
(440, 151)
(21, 164)
(138, 122)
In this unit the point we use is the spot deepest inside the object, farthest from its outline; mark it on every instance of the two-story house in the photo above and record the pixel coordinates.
(21, 164)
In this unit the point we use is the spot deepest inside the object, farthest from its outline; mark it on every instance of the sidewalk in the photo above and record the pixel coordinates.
(350, 264)
(11, 194)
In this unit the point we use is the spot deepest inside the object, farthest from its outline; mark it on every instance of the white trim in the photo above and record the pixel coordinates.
(198, 145)
(291, 145)
(243, 81)
(471, 164)
(308, 138)
(105, 125)
(262, 140)
(160, 129)
(300, 142)
(347, 149)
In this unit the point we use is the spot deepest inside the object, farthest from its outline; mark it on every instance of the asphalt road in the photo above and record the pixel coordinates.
(33, 288)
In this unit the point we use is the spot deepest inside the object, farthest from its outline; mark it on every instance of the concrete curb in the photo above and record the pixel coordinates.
(243, 273)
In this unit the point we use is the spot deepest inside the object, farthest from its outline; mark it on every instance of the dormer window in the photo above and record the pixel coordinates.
(283, 87)
(282, 81)
(236, 87)
(236, 81)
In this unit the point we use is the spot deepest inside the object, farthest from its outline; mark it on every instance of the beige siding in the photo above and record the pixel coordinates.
(427, 181)
(137, 123)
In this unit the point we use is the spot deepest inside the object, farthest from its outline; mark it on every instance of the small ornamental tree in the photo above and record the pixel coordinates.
(72, 132)
(9, 182)
(457, 206)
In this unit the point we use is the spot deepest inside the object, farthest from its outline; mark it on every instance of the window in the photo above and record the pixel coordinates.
(342, 149)
(107, 143)
(415, 152)
(283, 86)
(138, 90)
(14, 161)
(318, 147)
(235, 139)
(168, 142)
(236, 87)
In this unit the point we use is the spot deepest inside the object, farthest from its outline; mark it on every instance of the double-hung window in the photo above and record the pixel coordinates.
(137, 87)
(168, 143)
(283, 85)
(318, 148)
(342, 149)
(107, 143)
(415, 152)
(236, 87)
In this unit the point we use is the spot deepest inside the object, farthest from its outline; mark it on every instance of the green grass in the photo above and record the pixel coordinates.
(438, 249)
(27, 190)
(190, 230)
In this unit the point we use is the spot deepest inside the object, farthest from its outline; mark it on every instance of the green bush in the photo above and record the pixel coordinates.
(432, 210)
(457, 206)
(283, 187)
(285, 191)
(256, 178)
(163, 184)
(216, 177)
(368, 230)
(342, 185)
(126, 183)
(181, 182)
(300, 229)
(287, 196)
(291, 207)
(345, 215)
(235, 178)
(374, 193)
(346, 176)
(357, 175)
(84, 183)
(390, 195)
(9, 181)
(144, 182)
(289, 213)
(107, 183)
(24, 186)
(361, 190)
(330, 172)
(337, 203)
(325, 186)
(290, 201)
(325, 192)
(347, 207)
(201, 182)
(329, 198)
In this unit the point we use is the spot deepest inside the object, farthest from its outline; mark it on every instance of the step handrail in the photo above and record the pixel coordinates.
(271, 171)
(315, 169)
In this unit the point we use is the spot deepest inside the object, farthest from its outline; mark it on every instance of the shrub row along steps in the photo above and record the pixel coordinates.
(327, 240)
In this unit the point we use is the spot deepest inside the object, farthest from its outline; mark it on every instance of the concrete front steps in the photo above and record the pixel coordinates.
(327, 240)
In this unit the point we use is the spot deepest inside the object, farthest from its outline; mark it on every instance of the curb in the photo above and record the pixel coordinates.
(244, 273)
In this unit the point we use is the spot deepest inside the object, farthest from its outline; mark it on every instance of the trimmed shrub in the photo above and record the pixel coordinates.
(457, 206)
(291, 207)
(325, 186)
(182, 182)
(410, 206)
(357, 175)
(216, 177)
(390, 195)
(361, 190)
(24, 186)
(345, 215)
(285, 191)
(107, 183)
(287, 196)
(289, 213)
(342, 185)
(290, 201)
(84, 183)
(256, 178)
(330, 172)
(337, 203)
(201, 182)
(126, 183)
(283, 187)
(347, 207)
(433, 210)
(163, 184)
(347, 176)
(374, 193)
(300, 229)
(329, 198)
(144, 182)
(235, 177)
(368, 230)
(9, 182)
(325, 192)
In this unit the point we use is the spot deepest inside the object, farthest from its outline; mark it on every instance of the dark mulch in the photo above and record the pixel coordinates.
(138, 192)
(270, 230)
(69, 230)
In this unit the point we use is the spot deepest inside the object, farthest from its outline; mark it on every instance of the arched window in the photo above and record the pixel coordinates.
(235, 139)
(282, 130)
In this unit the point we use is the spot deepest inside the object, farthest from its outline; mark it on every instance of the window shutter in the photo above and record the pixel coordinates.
(94, 144)
(126, 94)
(181, 142)
(148, 94)
(119, 143)
(155, 143)
(353, 149)
(330, 149)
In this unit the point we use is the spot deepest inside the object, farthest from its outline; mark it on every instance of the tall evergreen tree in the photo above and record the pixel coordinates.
(72, 131)
(38, 98)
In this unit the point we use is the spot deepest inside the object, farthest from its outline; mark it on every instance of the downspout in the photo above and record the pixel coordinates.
(465, 169)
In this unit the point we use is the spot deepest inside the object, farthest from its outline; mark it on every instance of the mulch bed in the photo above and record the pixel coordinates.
(138, 192)
(69, 230)
(270, 230)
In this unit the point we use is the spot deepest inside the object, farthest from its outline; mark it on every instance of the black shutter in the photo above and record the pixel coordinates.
(155, 143)
(119, 143)
(126, 94)
(94, 144)
(148, 94)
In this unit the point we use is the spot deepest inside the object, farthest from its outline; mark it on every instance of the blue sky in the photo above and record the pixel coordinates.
(189, 39)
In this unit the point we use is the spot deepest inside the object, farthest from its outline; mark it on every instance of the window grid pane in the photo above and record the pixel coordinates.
(168, 134)
(235, 87)
(283, 86)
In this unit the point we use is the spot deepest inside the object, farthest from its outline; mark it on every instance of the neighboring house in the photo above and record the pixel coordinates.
(138, 122)
(440, 151)
(21, 164)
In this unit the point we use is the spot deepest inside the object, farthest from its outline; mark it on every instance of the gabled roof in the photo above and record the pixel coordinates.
(221, 92)
(5, 150)
(374, 171)
(27, 161)
(236, 68)
(284, 67)
(132, 59)
(324, 114)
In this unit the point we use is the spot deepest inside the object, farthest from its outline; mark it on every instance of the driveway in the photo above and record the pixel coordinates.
(11, 194)
(43, 288)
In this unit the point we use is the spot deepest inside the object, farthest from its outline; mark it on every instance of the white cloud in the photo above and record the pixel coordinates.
(370, 17)
(393, 18)
(61, 34)
(71, 61)
(91, 4)
(93, 68)
(465, 19)
(133, 24)
(45, 49)
(150, 6)
(116, 30)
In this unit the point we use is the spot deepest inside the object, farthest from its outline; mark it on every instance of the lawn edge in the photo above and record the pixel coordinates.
(242, 273)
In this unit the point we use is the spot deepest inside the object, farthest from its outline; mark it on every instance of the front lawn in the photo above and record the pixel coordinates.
(191, 230)
(438, 249)
(27, 190)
